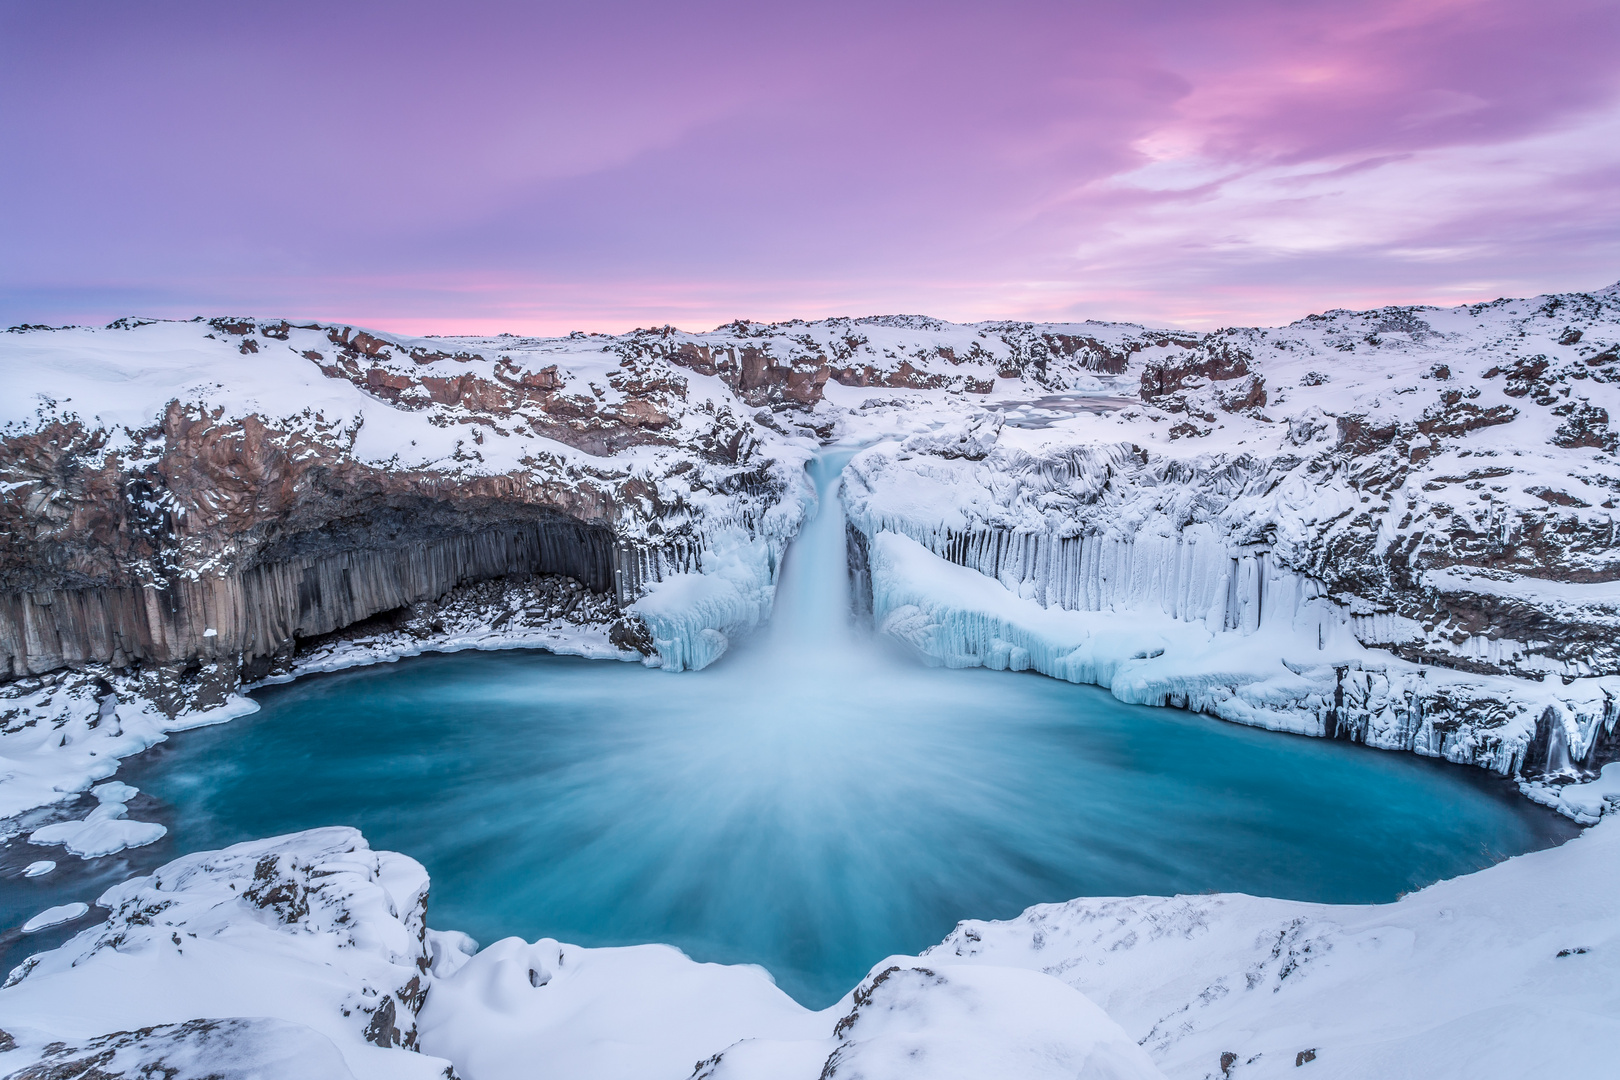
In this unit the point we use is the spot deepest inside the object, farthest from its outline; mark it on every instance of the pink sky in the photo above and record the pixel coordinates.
(538, 167)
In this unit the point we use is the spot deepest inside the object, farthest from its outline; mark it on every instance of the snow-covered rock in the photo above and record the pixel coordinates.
(634, 1013)
(314, 930)
(1510, 972)
(911, 1021)
(1297, 668)
(240, 1048)
(1433, 485)
(312, 947)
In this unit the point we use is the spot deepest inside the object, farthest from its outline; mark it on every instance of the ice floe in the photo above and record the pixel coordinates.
(56, 916)
(105, 830)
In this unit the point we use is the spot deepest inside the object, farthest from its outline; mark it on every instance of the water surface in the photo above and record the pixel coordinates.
(608, 804)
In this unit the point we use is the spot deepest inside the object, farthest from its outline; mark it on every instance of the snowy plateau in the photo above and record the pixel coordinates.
(1394, 527)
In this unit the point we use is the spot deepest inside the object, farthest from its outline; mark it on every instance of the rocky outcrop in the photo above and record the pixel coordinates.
(261, 611)
(301, 955)
(788, 365)
(1426, 499)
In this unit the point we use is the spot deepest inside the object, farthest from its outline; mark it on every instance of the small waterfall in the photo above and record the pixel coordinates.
(1558, 760)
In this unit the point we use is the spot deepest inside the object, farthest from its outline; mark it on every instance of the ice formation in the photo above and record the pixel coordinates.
(56, 916)
(105, 830)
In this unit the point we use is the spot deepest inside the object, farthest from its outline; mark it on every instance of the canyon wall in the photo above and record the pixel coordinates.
(261, 611)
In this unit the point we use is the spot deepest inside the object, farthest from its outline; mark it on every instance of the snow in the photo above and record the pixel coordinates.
(55, 916)
(611, 1014)
(1467, 977)
(234, 1049)
(1589, 801)
(105, 830)
(943, 1021)
(313, 929)
(1552, 591)
(39, 868)
(1513, 971)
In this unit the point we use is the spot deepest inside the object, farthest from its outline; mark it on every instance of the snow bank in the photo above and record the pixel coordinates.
(1510, 972)
(1584, 802)
(56, 916)
(313, 929)
(610, 1014)
(318, 933)
(910, 1021)
(235, 1049)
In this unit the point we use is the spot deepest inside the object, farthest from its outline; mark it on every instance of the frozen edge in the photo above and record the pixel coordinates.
(955, 617)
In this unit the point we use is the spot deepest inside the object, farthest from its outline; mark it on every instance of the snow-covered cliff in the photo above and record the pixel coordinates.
(1394, 526)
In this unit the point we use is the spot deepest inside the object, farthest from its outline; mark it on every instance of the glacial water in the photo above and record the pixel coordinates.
(812, 803)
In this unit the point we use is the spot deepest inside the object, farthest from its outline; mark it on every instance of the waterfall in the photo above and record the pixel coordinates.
(695, 618)
(1558, 761)
(811, 613)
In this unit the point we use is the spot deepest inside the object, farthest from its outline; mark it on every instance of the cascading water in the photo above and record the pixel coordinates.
(811, 802)
(1558, 759)
(811, 615)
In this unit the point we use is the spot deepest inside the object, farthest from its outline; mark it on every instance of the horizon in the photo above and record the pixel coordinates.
(543, 169)
(718, 327)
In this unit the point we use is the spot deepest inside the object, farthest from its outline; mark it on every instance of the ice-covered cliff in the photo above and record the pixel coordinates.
(1393, 526)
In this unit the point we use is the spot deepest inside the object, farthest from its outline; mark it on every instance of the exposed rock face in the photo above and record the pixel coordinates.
(210, 492)
(196, 526)
(790, 364)
(263, 610)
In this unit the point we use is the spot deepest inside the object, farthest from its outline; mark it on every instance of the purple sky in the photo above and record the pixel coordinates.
(541, 167)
